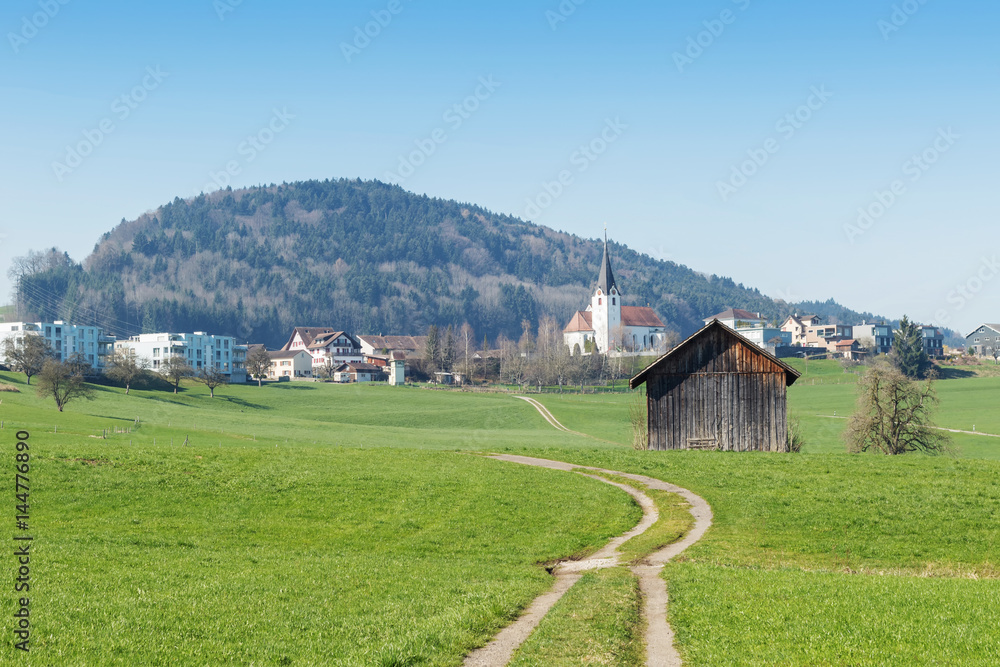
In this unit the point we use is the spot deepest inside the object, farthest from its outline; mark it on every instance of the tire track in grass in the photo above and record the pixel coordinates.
(660, 651)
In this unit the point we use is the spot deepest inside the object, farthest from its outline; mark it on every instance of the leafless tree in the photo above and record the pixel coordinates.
(212, 378)
(58, 380)
(27, 354)
(125, 367)
(893, 414)
(259, 364)
(175, 368)
(467, 339)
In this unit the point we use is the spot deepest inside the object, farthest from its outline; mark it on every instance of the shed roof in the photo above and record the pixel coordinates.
(682, 352)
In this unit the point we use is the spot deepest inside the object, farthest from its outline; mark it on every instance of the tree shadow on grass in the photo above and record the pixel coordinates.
(952, 373)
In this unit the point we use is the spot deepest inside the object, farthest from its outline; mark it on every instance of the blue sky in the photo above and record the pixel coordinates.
(741, 138)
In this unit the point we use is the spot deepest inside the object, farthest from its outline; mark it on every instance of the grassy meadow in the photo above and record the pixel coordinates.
(353, 525)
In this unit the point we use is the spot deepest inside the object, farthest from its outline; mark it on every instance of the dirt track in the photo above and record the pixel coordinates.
(660, 651)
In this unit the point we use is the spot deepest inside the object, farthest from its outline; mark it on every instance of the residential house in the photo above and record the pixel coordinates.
(984, 341)
(65, 340)
(736, 318)
(357, 372)
(797, 326)
(609, 326)
(290, 365)
(828, 335)
(880, 336)
(933, 341)
(849, 349)
(328, 348)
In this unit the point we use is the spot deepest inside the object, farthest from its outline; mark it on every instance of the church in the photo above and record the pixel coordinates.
(608, 325)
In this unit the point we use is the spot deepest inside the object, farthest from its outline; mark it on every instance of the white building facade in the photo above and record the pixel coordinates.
(201, 351)
(65, 340)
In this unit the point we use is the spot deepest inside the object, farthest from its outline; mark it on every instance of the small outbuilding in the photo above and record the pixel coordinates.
(717, 390)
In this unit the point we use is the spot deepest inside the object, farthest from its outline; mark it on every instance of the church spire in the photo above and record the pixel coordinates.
(606, 278)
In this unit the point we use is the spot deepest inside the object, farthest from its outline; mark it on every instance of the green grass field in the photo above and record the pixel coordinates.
(308, 524)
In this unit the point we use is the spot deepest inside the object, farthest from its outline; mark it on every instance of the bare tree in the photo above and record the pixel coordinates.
(259, 364)
(125, 367)
(79, 364)
(212, 378)
(27, 354)
(58, 380)
(467, 338)
(893, 414)
(175, 368)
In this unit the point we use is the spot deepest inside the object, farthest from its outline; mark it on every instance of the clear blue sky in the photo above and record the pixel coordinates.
(665, 131)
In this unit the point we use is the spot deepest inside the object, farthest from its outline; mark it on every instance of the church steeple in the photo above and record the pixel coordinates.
(606, 278)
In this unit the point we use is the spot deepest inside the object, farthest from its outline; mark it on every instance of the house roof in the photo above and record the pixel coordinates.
(640, 316)
(307, 334)
(995, 327)
(583, 320)
(734, 314)
(286, 354)
(715, 326)
(324, 339)
(401, 343)
(846, 343)
(358, 367)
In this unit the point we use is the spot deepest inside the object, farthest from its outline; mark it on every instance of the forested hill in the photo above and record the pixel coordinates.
(363, 256)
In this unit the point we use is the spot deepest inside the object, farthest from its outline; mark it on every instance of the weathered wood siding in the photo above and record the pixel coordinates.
(718, 393)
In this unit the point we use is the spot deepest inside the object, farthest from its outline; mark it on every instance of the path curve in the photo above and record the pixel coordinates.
(549, 417)
(660, 651)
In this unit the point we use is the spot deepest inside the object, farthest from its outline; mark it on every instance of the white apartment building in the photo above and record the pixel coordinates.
(199, 349)
(65, 340)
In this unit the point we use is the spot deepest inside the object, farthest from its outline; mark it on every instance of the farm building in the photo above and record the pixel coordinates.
(717, 390)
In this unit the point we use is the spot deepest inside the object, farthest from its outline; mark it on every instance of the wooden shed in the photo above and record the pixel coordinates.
(717, 390)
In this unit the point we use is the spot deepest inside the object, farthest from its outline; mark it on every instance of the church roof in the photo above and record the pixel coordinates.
(606, 278)
(582, 321)
(640, 316)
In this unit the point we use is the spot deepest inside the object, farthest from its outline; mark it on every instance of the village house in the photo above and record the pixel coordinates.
(357, 372)
(878, 336)
(933, 341)
(828, 335)
(327, 348)
(717, 390)
(798, 325)
(984, 341)
(608, 326)
(290, 365)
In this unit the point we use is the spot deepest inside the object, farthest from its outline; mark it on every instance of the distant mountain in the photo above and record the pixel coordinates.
(359, 255)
